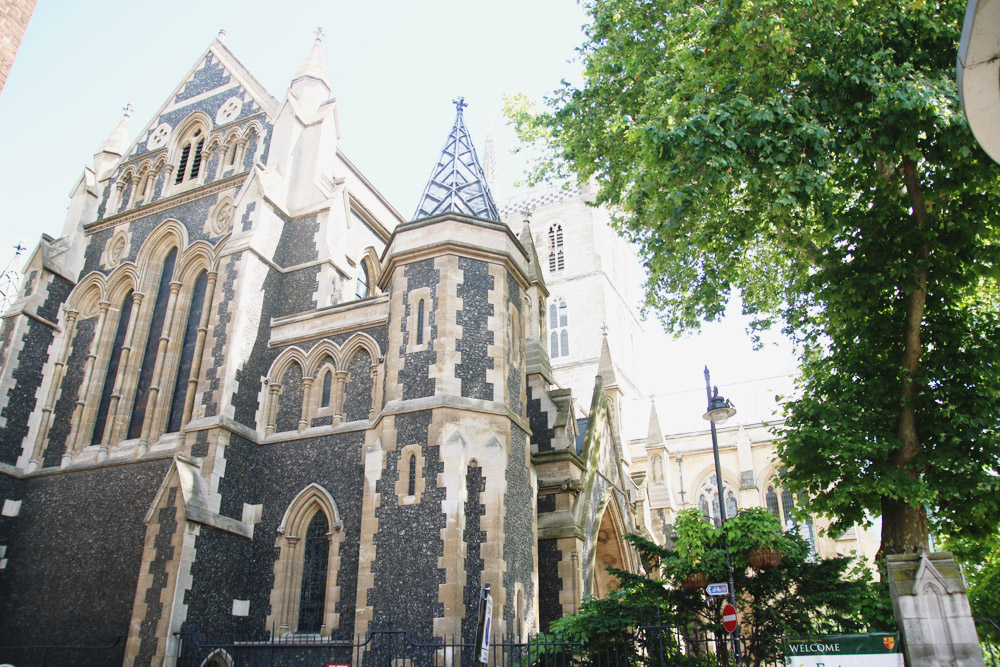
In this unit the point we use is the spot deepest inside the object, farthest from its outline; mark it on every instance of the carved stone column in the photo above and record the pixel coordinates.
(158, 370)
(307, 384)
(109, 427)
(339, 398)
(199, 348)
(57, 375)
(271, 425)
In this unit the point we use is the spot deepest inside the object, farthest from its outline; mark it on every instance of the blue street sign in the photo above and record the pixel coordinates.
(717, 589)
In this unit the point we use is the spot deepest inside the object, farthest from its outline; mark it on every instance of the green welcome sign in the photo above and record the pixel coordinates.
(879, 649)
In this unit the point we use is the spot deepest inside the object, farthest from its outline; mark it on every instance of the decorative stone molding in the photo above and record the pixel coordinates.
(117, 248)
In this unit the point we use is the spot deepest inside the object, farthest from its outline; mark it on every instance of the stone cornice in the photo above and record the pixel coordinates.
(165, 204)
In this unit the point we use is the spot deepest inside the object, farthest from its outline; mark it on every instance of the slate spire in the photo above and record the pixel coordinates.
(458, 183)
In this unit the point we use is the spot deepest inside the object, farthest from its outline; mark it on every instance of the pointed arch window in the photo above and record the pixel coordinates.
(420, 322)
(306, 590)
(327, 388)
(363, 290)
(781, 504)
(315, 558)
(557, 259)
(558, 329)
(152, 345)
(708, 501)
(184, 380)
(189, 162)
(411, 488)
(124, 314)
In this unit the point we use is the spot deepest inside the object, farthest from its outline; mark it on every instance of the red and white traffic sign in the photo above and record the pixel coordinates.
(729, 618)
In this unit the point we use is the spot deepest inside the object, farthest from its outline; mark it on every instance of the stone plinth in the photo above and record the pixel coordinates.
(932, 611)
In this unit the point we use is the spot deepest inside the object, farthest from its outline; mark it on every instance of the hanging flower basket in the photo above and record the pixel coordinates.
(765, 559)
(694, 581)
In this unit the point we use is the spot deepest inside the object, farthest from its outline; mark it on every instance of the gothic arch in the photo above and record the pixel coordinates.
(122, 280)
(296, 517)
(180, 132)
(292, 542)
(218, 658)
(168, 234)
(609, 548)
(357, 342)
(370, 259)
(707, 475)
(317, 357)
(284, 360)
(253, 127)
(188, 155)
(88, 293)
(199, 256)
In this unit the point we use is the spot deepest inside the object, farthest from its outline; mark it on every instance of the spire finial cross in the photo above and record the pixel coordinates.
(604, 328)
(127, 109)
(319, 34)
(459, 103)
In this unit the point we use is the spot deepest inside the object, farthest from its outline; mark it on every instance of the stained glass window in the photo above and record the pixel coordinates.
(315, 555)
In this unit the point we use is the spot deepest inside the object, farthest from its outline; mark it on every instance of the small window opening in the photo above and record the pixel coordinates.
(362, 288)
(558, 326)
(411, 489)
(327, 385)
(420, 323)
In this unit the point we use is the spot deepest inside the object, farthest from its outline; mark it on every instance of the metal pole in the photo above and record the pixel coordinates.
(722, 518)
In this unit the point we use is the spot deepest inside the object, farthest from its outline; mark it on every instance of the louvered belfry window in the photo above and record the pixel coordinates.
(557, 260)
(189, 166)
(314, 563)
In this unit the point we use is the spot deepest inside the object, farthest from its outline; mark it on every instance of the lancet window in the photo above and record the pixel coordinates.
(315, 559)
(124, 315)
(305, 574)
(781, 504)
(558, 329)
(708, 500)
(363, 289)
(153, 339)
(140, 377)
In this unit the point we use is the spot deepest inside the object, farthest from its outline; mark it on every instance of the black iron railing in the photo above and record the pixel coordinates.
(647, 646)
(989, 640)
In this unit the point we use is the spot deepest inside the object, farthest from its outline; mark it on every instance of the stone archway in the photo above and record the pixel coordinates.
(608, 550)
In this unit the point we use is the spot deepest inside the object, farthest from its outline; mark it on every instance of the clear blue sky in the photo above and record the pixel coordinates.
(395, 67)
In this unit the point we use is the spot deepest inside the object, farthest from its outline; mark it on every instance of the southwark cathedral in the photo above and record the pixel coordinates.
(242, 395)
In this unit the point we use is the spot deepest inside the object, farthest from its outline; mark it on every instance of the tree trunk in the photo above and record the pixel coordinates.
(904, 527)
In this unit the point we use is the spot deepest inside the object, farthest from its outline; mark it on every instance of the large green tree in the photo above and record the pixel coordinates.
(812, 156)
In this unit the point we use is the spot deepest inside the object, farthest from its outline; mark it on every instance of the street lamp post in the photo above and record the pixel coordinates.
(719, 411)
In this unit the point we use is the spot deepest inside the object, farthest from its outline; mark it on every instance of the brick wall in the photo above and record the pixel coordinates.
(14, 17)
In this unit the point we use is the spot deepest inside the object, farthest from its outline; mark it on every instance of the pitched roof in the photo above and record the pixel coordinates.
(457, 183)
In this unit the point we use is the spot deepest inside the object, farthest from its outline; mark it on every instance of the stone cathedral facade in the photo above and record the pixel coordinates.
(242, 396)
